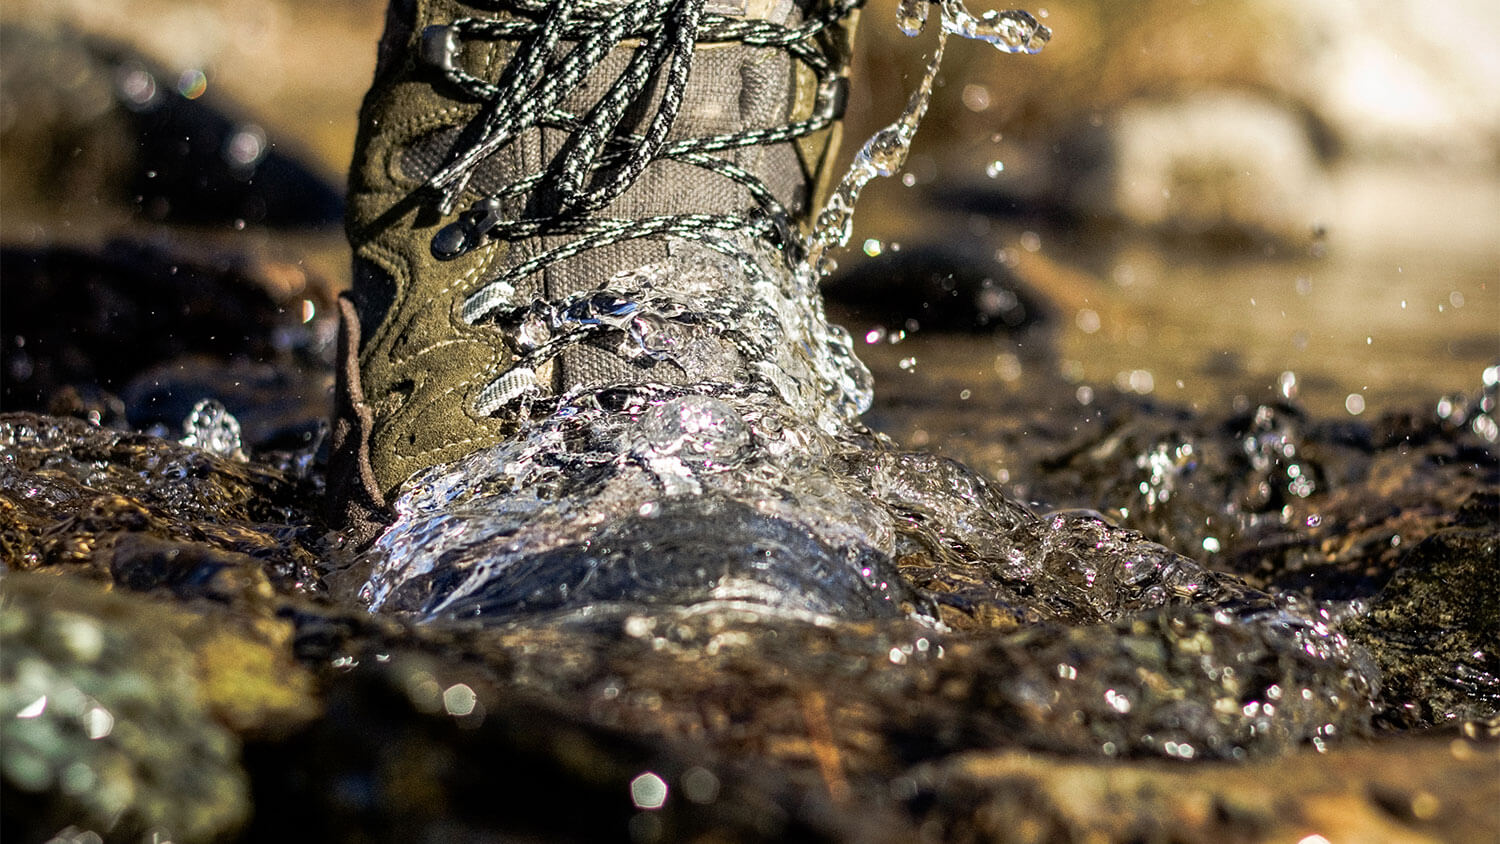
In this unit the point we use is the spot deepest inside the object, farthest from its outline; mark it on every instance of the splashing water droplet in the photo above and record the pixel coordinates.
(211, 427)
(885, 152)
(696, 428)
(911, 16)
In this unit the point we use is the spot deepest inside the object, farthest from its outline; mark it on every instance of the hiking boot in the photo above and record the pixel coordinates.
(519, 163)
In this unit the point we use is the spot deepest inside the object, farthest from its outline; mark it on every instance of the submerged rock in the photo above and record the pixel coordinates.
(148, 512)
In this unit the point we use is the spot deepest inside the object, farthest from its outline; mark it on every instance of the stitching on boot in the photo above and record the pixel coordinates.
(353, 411)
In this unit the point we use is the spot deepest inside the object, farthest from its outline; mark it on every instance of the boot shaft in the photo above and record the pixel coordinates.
(530, 152)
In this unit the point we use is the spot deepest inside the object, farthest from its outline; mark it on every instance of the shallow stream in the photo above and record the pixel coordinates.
(1132, 533)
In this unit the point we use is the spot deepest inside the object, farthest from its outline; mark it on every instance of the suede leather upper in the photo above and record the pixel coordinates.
(407, 387)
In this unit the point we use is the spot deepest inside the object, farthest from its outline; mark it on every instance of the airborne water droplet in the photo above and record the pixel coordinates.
(911, 16)
(885, 152)
(211, 427)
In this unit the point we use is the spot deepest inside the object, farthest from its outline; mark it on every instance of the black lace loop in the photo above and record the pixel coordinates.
(601, 160)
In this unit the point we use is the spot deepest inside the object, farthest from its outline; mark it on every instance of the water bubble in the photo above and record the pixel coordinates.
(1141, 381)
(246, 147)
(700, 785)
(648, 791)
(1485, 426)
(1008, 366)
(459, 700)
(192, 84)
(98, 722)
(1355, 404)
(33, 709)
(976, 98)
(994, 169)
(1087, 320)
(211, 427)
(137, 87)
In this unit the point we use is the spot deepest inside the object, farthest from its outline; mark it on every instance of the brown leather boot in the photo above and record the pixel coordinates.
(516, 161)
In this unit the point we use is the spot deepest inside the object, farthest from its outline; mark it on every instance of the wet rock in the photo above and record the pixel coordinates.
(792, 693)
(1435, 631)
(1287, 500)
(189, 317)
(417, 748)
(937, 288)
(1177, 683)
(78, 495)
(1441, 789)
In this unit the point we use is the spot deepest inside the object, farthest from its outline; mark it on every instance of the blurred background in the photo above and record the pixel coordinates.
(1208, 203)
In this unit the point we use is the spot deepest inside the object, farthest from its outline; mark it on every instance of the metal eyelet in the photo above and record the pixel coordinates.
(833, 98)
(468, 231)
(440, 46)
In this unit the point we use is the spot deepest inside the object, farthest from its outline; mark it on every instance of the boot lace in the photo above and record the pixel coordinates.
(560, 43)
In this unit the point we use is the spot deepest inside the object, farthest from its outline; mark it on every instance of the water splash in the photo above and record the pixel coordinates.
(699, 429)
(885, 152)
(753, 490)
(777, 391)
(211, 427)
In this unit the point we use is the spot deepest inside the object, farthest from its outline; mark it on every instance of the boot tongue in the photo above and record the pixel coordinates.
(775, 11)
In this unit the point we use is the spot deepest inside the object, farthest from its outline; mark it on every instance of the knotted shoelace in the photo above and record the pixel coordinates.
(601, 159)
